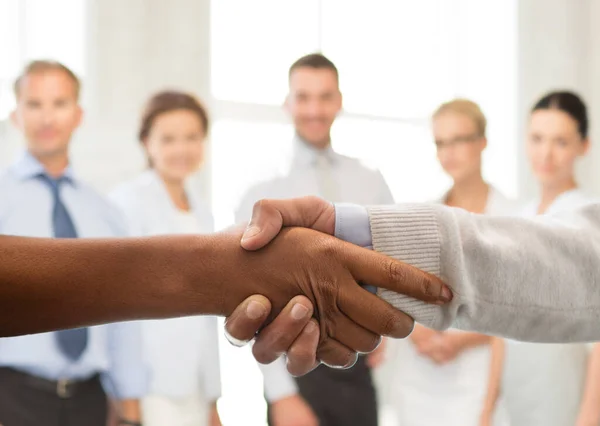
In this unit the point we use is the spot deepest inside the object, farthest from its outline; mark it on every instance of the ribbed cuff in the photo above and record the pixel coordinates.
(409, 233)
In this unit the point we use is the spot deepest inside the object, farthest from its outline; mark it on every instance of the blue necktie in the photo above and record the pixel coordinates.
(72, 342)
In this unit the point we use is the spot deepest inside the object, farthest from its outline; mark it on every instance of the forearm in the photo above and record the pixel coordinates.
(525, 279)
(49, 284)
(130, 410)
(495, 377)
(590, 404)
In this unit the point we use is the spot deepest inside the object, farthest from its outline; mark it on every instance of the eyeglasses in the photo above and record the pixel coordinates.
(457, 141)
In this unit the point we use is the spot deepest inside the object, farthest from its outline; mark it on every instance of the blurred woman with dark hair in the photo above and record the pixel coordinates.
(183, 353)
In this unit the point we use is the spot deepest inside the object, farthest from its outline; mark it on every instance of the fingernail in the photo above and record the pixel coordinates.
(255, 310)
(299, 311)
(235, 341)
(310, 327)
(446, 295)
(250, 232)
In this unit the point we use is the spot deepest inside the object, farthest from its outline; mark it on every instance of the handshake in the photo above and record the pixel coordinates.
(298, 289)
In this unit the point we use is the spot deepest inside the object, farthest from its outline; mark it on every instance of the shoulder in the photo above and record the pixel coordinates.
(7, 179)
(361, 167)
(203, 212)
(581, 198)
(102, 206)
(131, 193)
(500, 205)
(269, 188)
(132, 187)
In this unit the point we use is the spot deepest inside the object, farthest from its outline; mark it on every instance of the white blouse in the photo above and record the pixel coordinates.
(183, 353)
(457, 389)
(543, 384)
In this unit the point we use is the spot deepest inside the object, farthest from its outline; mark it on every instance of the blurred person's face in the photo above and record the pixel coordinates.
(553, 145)
(175, 144)
(47, 112)
(313, 102)
(459, 145)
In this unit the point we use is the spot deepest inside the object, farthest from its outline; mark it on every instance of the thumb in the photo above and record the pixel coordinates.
(269, 216)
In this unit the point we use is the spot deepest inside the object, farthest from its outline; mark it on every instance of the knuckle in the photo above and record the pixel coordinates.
(396, 271)
(262, 355)
(299, 354)
(427, 287)
(407, 326)
(313, 199)
(261, 206)
(371, 345)
(336, 357)
(389, 325)
(328, 247)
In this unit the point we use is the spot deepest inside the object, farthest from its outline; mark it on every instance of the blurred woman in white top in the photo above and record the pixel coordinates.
(182, 353)
(549, 384)
(442, 377)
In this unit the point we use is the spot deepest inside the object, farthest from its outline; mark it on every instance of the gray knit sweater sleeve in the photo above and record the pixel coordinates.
(534, 280)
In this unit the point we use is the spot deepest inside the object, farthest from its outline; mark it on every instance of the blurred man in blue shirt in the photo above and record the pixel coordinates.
(60, 378)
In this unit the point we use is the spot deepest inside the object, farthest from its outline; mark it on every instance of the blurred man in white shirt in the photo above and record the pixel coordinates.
(314, 101)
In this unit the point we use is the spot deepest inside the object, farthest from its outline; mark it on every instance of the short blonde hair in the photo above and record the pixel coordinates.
(41, 66)
(464, 107)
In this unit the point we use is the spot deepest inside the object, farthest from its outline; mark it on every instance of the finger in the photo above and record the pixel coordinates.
(373, 313)
(352, 335)
(277, 337)
(379, 270)
(269, 216)
(335, 355)
(241, 326)
(302, 355)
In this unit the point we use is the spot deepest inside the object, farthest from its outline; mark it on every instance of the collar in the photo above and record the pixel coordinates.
(151, 176)
(305, 155)
(28, 167)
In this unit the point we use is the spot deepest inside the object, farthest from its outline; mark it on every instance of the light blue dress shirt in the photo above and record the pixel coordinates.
(115, 350)
(352, 224)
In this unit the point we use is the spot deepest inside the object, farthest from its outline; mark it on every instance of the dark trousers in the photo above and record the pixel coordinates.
(341, 397)
(26, 400)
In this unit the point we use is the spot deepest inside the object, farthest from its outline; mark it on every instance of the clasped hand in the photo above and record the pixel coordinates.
(303, 296)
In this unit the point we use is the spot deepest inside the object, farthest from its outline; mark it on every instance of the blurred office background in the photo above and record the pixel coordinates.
(398, 59)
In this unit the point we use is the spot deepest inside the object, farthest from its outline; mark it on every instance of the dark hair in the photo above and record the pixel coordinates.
(316, 61)
(42, 66)
(569, 103)
(168, 101)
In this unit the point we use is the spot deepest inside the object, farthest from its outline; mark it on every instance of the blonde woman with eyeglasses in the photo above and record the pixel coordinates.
(443, 377)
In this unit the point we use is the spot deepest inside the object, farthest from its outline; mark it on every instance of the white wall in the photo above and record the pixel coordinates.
(594, 95)
(558, 50)
(134, 48)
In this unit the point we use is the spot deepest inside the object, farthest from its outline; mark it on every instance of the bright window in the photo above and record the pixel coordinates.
(254, 43)
(38, 29)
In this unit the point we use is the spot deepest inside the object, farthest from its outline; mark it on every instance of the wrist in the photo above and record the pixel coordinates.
(228, 271)
(205, 263)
